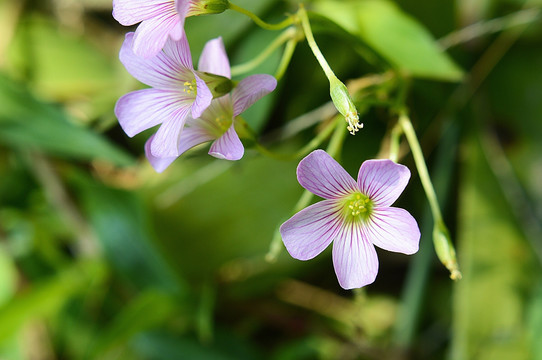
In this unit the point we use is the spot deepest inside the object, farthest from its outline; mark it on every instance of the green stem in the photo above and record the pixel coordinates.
(395, 142)
(312, 43)
(248, 66)
(441, 237)
(417, 153)
(286, 57)
(285, 23)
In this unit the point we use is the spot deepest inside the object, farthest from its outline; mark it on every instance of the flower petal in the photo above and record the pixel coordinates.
(193, 135)
(214, 59)
(166, 139)
(382, 180)
(203, 98)
(250, 90)
(310, 231)
(354, 258)
(167, 70)
(130, 12)
(159, 164)
(151, 35)
(228, 146)
(143, 109)
(393, 229)
(323, 176)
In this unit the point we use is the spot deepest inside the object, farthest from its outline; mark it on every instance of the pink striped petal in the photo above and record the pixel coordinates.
(203, 98)
(166, 139)
(250, 90)
(214, 59)
(354, 258)
(159, 164)
(310, 231)
(382, 180)
(193, 135)
(151, 35)
(323, 176)
(228, 146)
(393, 229)
(140, 110)
(130, 12)
(168, 70)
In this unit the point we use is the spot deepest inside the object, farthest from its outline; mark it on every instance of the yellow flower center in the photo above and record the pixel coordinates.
(190, 87)
(357, 207)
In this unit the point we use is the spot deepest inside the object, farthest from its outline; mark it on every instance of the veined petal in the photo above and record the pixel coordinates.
(382, 180)
(143, 109)
(354, 257)
(228, 146)
(393, 229)
(162, 71)
(166, 139)
(193, 134)
(323, 176)
(182, 7)
(130, 12)
(159, 164)
(178, 51)
(310, 231)
(152, 34)
(250, 90)
(203, 98)
(214, 59)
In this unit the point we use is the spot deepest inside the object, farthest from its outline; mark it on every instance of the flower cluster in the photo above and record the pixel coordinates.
(193, 106)
(189, 105)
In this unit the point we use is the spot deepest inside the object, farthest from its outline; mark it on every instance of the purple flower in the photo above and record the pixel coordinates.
(357, 215)
(217, 122)
(176, 91)
(160, 19)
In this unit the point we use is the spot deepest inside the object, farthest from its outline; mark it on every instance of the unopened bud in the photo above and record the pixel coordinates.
(445, 250)
(219, 85)
(204, 7)
(344, 104)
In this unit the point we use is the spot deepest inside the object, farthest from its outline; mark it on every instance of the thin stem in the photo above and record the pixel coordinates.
(395, 142)
(285, 23)
(286, 57)
(310, 40)
(417, 153)
(248, 66)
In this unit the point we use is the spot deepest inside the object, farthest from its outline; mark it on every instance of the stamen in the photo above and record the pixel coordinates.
(353, 123)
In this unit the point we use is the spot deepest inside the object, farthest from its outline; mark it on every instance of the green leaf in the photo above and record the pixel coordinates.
(28, 123)
(8, 276)
(396, 36)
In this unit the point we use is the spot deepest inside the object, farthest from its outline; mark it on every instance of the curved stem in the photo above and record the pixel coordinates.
(286, 57)
(281, 39)
(285, 23)
(312, 43)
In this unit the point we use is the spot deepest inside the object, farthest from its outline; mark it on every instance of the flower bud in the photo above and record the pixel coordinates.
(345, 105)
(219, 85)
(445, 250)
(204, 7)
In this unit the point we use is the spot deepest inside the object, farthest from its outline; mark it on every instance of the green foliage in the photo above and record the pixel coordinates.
(102, 258)
(396, 36)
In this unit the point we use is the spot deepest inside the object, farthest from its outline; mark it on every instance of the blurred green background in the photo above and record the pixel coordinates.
(102, 258)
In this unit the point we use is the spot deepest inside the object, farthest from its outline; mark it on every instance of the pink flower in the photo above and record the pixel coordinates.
(217, 122)
(355, 215)
(160, 19)
(176, 90)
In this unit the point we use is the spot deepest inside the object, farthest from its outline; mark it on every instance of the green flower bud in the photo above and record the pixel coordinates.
(445, 250)
(204, 7)
(344, 104)
(219, 85)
